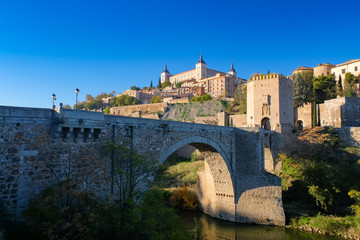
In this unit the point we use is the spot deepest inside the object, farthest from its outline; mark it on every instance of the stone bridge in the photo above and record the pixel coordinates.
(235, 185)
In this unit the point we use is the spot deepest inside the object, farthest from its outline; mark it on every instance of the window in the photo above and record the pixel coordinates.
(356, 68)
(343, 71)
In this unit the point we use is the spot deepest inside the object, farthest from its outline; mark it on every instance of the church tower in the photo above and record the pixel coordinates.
(201, 69)
(232, 71)
(165, 75)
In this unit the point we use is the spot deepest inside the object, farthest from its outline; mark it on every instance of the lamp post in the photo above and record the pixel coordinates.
(53, 98)
(77, 93)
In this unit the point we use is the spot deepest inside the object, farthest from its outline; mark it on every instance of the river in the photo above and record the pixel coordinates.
(215, 229)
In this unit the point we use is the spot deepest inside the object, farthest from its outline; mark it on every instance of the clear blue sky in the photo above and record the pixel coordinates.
(98, 46)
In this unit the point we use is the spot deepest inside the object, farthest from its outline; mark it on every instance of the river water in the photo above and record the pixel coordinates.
(214, 229)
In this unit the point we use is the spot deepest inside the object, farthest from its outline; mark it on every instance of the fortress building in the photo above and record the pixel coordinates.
(270, 102)
(201, 71)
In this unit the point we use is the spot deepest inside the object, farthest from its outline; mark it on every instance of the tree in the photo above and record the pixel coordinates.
(159, 84)
(112, 102)
(151, 85)
(89, 97)
(325, 88)
(339, 87)
(206, 97)
(125, 100)
(93, 105)
(156, 99)
(67, 106)
(240, 99)
(350, 88)
(166, 84)
(135, 88)
(107, 110)
(301, 91)
(195, 99)
(178, 85)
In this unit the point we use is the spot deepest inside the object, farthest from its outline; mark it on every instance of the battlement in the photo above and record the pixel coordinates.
(268, 76)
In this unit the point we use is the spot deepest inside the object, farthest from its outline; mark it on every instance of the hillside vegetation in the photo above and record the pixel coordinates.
(320, 181)
(188, 112)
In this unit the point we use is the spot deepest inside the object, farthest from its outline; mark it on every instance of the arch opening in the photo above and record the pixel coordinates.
(299, 125)
(215, 181)
(265, 123)
(268, 159)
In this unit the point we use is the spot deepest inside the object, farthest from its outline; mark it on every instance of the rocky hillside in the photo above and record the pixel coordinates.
(188, 112)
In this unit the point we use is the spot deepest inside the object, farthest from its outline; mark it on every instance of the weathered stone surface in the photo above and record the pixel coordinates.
(39, 145)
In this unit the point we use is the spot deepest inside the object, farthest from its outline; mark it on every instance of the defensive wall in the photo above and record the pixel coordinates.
(39, 147)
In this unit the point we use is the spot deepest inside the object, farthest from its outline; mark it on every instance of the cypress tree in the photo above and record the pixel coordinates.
(159, 84)
(339, 87)
(151, 84)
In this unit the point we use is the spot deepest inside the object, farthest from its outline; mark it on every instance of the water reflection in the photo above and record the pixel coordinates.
(214, 229)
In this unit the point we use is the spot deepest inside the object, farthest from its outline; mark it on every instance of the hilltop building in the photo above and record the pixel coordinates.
(351, 66)
(214, 82)
(201, 71)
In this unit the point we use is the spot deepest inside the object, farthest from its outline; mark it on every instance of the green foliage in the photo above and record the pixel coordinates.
(151, 84)
(89, 97)
(322, 196)
(156, 99)
(159, 222)
(339, 87)
(195, 99)
(159, 84)
(166, 84)
(94, 104)
(178, 85)
(135, 88)
(206, 97)
(240, 98)
(317, 174)
(107, 110)
(64, 211)
(350, 85)
(355, 195)
(301, 91)
(126, 100)
(325, 88)
(67, 106)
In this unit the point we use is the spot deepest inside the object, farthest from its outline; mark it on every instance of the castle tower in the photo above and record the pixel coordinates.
(232, 71)
(201, 69)
(165, 75)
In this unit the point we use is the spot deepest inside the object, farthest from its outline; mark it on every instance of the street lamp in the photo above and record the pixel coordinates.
(77, 93)
(53, 98)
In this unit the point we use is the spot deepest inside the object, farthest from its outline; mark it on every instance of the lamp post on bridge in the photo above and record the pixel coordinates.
(53, 102)
(77, 93)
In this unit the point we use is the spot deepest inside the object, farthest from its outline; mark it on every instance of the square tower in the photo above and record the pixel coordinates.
(270, 102)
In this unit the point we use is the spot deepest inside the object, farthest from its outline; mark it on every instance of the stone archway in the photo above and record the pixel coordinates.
(215, 186)
(265, 123)
(299, 125)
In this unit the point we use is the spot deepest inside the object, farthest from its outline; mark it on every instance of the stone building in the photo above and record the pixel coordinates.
(302, 70)
(351, 66)
(219, 85)
(270, 102)
(201, 71)
(323, 69)
(340, 112)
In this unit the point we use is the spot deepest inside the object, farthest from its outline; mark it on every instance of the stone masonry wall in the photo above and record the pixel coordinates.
(37, 147)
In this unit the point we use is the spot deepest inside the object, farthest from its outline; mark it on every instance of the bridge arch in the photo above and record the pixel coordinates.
(216, 183)
(194, 140)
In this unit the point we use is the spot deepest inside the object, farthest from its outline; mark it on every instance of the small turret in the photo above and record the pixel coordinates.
(165, 69)
(201, 59)
(232, 71)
